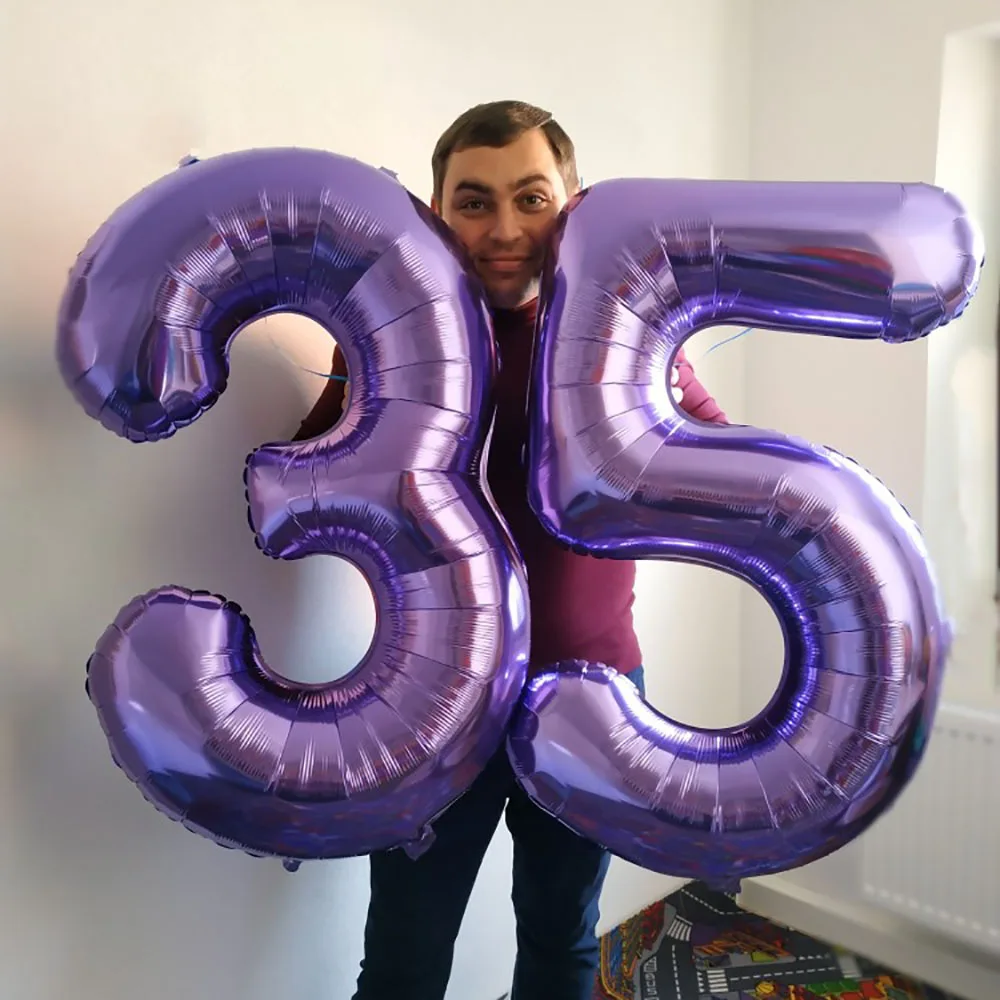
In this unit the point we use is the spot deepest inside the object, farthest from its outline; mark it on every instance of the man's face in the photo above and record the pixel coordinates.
(502, 205)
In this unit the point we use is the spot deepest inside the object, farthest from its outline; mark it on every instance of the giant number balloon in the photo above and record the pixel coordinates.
(217, 739)
(618, 470)
(210, 733)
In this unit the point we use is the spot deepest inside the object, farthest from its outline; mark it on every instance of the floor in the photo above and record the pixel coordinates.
(699, 945)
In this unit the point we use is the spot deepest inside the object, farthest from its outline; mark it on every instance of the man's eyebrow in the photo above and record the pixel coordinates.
(530, 179)
(477, 186)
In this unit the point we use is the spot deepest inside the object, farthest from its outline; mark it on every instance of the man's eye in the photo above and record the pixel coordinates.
(535, 200)
(473, 205)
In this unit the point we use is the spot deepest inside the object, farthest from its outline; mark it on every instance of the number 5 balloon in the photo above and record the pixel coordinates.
(618, 470)
(210, 733)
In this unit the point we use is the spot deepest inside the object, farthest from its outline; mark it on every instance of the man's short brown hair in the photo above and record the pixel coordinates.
(498, 124)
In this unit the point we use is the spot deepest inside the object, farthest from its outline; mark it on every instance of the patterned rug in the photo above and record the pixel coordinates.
(699, 945)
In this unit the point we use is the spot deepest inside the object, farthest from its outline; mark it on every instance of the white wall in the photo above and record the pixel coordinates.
(854, 91)
(960, 478)
(102, 896)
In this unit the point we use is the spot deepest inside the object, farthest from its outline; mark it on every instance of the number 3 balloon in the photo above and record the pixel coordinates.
(619, 470)
(193, 714)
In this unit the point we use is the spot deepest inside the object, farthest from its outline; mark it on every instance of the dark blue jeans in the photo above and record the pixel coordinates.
(417, 906)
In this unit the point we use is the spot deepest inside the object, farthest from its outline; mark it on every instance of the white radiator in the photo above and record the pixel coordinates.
(935, 856)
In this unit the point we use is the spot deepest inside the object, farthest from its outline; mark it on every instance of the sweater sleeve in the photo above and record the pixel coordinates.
(696, 399)
(327, 409)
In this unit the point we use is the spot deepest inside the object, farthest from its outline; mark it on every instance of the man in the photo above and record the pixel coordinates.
(502, 173)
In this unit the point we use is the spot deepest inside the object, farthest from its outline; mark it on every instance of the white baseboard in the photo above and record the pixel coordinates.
(907, 947)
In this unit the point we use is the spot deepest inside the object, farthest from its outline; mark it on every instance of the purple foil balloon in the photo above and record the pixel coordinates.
(211, 734)
(618, 470)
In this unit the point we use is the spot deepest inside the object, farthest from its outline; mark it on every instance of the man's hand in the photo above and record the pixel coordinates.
(691, 395)
(675, 389)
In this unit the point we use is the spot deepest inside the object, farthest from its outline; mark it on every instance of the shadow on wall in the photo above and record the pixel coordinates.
(103, 896)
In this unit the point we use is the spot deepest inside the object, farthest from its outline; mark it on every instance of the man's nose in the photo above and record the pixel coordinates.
(506, 225)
